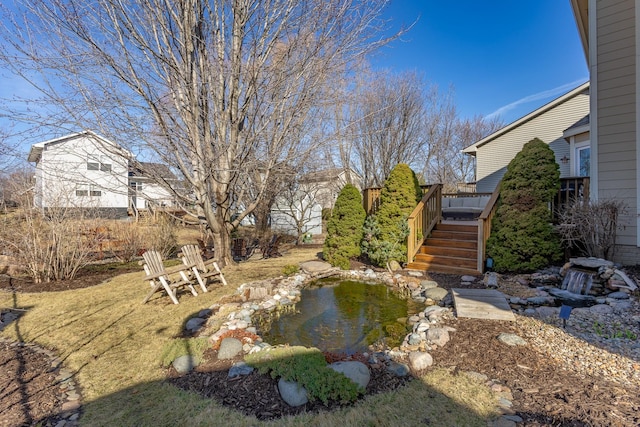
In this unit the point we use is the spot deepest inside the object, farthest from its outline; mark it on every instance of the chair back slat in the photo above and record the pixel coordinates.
(154, 261)
(193, 257)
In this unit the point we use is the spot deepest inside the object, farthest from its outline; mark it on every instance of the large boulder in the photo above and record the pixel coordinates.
(420, 360)
(438, 336)
(292, 393)
(436, 294)
(229, 348)
(184, 364)
(354, 370)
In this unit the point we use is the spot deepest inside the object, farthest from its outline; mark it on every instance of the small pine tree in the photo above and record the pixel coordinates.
(398, 198)
(522, 237)
(344, 228)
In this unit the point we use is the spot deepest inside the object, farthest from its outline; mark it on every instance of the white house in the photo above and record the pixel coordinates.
(299, 210)
(557, 123)
(85, 170)
(149, 185)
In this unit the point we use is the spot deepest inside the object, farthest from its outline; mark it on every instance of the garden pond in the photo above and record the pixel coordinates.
(342, 316)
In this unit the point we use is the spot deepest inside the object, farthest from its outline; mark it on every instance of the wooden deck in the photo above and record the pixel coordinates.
(482, 304)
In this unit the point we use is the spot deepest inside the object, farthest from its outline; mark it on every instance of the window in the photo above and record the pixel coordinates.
(82, 190)
(86, 190)
(104, 164)
(93, 166)
(583, 159)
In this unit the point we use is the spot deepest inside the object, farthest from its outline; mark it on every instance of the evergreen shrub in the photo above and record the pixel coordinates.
(386, 233)
(522, 236)
(344, 228)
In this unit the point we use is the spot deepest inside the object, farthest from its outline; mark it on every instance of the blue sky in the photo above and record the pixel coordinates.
(501, 56)
(505, 57)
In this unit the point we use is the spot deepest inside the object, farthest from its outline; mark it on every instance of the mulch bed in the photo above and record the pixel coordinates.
(257, 394)
(543, 393)
(29, 394)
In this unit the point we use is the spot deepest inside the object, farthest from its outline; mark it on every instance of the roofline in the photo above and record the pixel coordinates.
(37, 148)
(576, 131)
(581, 15)
(473, 148)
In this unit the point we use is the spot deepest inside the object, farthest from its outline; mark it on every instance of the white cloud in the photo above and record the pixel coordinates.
(546, 94)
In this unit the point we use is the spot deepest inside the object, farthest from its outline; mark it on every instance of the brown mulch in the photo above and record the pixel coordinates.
(544, 394)
(256, 394)
(29, 394)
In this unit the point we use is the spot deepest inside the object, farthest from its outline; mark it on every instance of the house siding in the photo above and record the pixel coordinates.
(63, 166)
(493, 157)
(615, 90)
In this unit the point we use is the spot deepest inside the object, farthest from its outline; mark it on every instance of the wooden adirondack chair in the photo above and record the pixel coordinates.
(201, 269)
(159, 279)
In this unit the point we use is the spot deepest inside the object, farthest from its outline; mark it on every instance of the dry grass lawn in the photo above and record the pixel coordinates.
(113, 343)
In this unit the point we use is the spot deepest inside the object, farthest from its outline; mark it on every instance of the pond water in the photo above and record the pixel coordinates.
(343, 316)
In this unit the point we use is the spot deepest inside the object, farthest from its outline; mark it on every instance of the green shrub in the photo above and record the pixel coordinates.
(522, 237)
(385, 235)
(344, 229)
(183, 347)
(290, 270)
(307, 367)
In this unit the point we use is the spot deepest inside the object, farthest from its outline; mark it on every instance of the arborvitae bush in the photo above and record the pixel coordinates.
(344, 228)
(522, 237)
(386, 233)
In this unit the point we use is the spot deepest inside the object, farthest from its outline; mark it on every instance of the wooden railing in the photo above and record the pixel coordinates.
(423, 219)
(572, 190)
(371, 198)
(484, 226)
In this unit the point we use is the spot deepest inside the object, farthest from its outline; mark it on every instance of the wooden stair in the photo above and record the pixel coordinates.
(451, 248)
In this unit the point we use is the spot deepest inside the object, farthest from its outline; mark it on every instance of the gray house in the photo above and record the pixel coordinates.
(610, 32)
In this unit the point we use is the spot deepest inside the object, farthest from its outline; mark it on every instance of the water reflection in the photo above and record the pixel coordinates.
(342, 316)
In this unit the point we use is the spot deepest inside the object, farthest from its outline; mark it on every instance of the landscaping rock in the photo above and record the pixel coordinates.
(591, 262)
(491, 280)
(618, 295)
(436, 294)
(394, 265)
(468, 279)
(601, 309)
(438, 336)
(239, 369)
(420, 360)
(194, 324)
(398, 369)
(229, 348)
(184, 364)
(511, 339)
(315, 267)
(292, 393)
(354, 370)
(428, 284)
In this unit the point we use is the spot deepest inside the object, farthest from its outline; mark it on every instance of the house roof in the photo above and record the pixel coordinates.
(325, 175)
(581, 14)
(36, 149)
(473, 148)
(149, 170)
(581, 126)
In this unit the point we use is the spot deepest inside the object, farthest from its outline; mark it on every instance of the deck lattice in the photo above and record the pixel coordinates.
(482, 304)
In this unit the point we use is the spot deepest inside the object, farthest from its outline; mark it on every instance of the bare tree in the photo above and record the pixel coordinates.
(388, 117)
(447, 134)
(216, 88)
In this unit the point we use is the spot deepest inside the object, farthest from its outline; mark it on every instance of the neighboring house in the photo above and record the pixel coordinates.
(551, 123)
(149, 185)
(610, 32)
(299, 209)
(84, 170)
